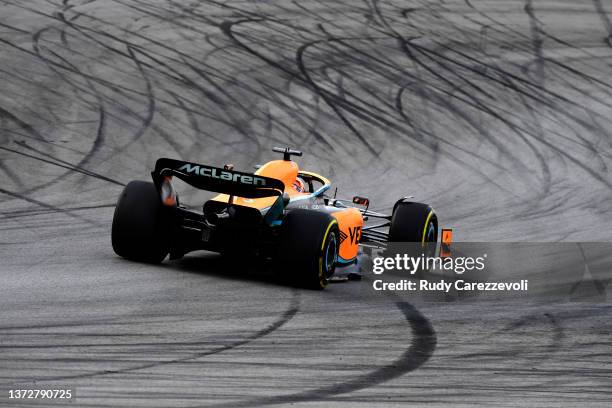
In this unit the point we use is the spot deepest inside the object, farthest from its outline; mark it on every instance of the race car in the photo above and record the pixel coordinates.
(279, 214)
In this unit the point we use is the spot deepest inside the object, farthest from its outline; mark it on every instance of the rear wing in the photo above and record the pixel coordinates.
(216, 179)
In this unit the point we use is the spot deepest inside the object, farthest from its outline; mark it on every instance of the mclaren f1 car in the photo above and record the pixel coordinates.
(279, 213)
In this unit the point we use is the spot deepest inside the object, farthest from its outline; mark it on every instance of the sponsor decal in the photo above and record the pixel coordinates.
(355, 235)
(214, 173)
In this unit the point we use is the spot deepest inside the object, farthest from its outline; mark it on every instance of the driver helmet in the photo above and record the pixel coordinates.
(298, 185)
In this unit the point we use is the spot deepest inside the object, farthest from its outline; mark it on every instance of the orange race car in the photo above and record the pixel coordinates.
(279, 213)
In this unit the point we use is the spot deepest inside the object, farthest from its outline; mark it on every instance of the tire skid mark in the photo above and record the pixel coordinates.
(605, 20)
(421, 348)
(282, 319)
(534, 25)
(299, 56)
(403, 72)
(518, 131)
(226, 27)
(150, 113)
(33, 213)
(50, 207)
(99, 139)
(433, 98)
(408, 46)
(557, 336)
(11, 174)
(22, 124)
(63, 164)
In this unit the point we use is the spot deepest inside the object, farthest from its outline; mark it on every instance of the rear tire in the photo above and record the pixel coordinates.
(413, 222)
(308, 247)
(140, 226)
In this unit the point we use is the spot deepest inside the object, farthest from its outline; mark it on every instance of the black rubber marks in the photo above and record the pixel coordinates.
(282, 319)
(421, 348)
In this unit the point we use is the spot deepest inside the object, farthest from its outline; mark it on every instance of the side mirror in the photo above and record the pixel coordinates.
(361, 201)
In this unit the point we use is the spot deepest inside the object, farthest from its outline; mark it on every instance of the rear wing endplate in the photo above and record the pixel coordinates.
(216, 179)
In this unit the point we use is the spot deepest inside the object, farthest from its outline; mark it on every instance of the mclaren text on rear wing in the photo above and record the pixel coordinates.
(217, 179)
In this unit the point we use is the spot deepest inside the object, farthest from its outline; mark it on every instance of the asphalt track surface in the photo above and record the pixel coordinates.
(498, 113)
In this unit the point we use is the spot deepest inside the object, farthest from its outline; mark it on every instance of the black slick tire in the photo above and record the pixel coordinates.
(140, 224)
(413, 222)
(308, 248)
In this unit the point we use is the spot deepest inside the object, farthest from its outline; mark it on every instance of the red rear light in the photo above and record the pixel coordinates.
(168, 195)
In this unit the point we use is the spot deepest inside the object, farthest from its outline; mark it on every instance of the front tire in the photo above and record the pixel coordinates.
(308, 247)
(140, 226)
(413, 222)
